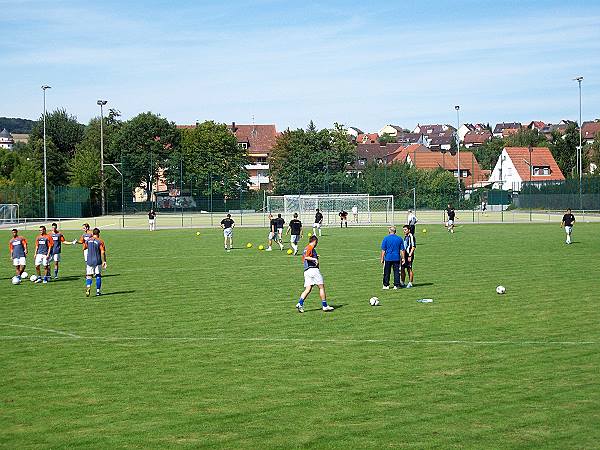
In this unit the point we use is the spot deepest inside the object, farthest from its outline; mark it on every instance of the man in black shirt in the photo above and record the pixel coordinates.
(227, 224)
(295, 229)
(567, 223)
(272, 231)
(152, 220)
(451, 216)
(279, 223)
(343, 218)
(318, 222)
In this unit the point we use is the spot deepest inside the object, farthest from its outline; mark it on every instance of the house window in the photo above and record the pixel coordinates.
(379, 161)
(541, 170)
(243, 145)
(362, 162)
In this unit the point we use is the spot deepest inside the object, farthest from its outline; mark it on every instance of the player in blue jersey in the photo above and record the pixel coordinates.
(58, 238)
(95, 261)
(312, 275)
(43, 249)
(392, 255)
(84, 238)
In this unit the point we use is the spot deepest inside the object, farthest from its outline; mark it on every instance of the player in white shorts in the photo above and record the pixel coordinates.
(312, 276)
(43, 249)
(567, 223)
(95, 261)
(279, 223)
(295, 228)
(84, 238)
(272, 232)
(18, 252)
(318, 222)
(227, 224)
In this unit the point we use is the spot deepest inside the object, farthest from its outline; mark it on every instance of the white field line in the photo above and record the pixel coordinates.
(62, 333)
(67, 336)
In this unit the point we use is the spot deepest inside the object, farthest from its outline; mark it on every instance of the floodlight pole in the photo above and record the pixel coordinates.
(114, 166)
(580, 149)
(101, 103)
(457, 108)
(502, 158)
(44, 87)
(530, 172)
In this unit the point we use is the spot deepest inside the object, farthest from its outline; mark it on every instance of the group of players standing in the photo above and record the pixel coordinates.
(48, 249)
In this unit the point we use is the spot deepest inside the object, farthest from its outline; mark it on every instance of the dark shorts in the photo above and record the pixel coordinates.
(408, 264)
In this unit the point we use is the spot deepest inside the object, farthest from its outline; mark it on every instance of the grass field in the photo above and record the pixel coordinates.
(193, 347)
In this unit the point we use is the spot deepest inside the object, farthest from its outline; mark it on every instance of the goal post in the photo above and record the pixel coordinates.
(9, 213)
(370, 209)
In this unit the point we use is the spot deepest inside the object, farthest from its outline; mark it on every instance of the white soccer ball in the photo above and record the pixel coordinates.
(374, 301)
(16, 280)
(500, 290)
(32, 278)
(24, 275)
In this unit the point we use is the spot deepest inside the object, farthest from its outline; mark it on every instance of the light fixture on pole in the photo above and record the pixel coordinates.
(457, 108)
(101, 103)
(580, 148)
(44, 87)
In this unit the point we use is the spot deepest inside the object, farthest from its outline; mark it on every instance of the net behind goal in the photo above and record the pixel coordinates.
(370, 209)
(9, 213)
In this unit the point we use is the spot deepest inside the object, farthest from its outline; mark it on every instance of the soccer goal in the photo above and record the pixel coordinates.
(370, 209)
(9, 213)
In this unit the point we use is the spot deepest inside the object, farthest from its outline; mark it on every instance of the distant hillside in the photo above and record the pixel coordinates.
(16, 126)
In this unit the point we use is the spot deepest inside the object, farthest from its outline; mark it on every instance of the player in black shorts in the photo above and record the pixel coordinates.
(343, 218)
(451, 214)
(407, 264)
(295, 229)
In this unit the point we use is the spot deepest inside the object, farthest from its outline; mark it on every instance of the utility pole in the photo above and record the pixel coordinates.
(101, 103)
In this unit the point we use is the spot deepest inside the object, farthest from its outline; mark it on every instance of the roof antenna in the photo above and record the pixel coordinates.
(253, 127)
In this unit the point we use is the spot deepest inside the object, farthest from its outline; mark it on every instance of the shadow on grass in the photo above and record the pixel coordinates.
(321, 309)
(422, 284)
(104, 294)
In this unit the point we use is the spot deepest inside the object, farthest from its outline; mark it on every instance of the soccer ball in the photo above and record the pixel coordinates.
(309, 234)
(261, 247)
(32, 278)
(197, 233)
(16, 280)
(24, 275)
(249, 245)
(289, 252)
(500, 290)
(374, 301)
(424, 230)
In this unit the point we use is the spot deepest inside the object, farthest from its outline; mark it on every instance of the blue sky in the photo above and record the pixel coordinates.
(359, 63)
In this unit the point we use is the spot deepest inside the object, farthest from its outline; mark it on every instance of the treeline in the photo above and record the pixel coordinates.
(16, 126)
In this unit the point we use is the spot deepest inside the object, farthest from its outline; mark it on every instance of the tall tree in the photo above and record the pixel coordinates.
(564, 149)
(526, 137)
(210, 150)
(145, 143)
(487, 154)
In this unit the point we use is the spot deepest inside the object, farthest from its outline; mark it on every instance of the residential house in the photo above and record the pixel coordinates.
(367, 138)
(560, 128)
(410, 138)
(589, 131)
(476, 138)
(436, 137)
(441, 143)
(402, 152)
(369, 153)
(536, 125)
(6, 140)
(518, 165)
(470, 171)
(353, 132)
(258, 141)
(391, 130)
(469, 127)
(505, 129)
(431, 130)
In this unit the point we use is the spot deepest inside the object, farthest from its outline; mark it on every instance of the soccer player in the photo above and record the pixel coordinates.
(409, 257)
(279, 223)
(343, 218)
(567, 223)
(392, 254)
(451, 214)
(95, 261)
(355, 213)
(84, 238)
(312, 275)
(318, 222)
(58, 238)
(18, 252)
(272, 231)
(411, 220)
(227, 224)
(295, 228)
(152, 220)
(43, 249)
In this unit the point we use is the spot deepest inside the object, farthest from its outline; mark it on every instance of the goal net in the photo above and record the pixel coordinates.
(370, 209)
(9, 213)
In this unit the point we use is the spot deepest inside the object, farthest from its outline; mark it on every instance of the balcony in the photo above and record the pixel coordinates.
(257, 166)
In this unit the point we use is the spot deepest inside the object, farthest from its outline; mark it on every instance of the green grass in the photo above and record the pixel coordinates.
(193, 347)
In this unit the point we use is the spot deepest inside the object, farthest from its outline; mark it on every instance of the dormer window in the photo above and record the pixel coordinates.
(243, 145)
(541, 170)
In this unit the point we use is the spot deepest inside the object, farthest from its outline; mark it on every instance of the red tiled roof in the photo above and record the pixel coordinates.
(590, 129)
(477, 137)
(540, 157)
(367, 138)
(260, 138)
(401, 154)
(448, 161)
(373, 152)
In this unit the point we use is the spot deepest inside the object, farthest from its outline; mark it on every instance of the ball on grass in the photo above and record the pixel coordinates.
(374, 301)
(500, 290)
(16, 280)
(261, 247)
(289, 252)
(424, 230)
(197, 233)
(24, 275)
(309, 234)
(33, 278)
(249, 245)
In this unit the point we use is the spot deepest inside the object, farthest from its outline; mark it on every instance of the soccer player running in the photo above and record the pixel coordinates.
(312, 276)
(152, 220)
(227, 224)
(409, 257)
(567, 223)
(279, 223)
(58, 238)
(295, 228)
(343, 218)
(318, 222)
(43, 249)
(392, 254)
(272, 231)
(95, 262)
(18, 252)
(451, 214)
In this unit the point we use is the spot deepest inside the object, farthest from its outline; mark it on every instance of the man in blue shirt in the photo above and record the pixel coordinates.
(392, 253)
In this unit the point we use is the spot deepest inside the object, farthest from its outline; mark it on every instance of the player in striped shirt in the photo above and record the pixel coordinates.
(18, 252)
(312, 275)
(95, 261)
(43, 249)
(409, 257)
